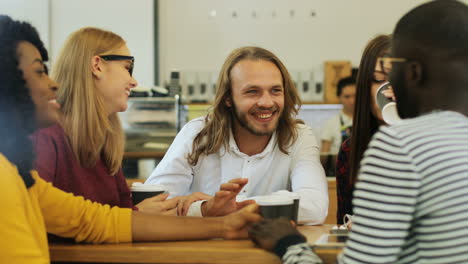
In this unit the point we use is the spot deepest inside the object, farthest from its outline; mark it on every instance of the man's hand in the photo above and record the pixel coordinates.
(236, 224)
(224, 201)
(186, 201)
(267, 233)
(158, 205)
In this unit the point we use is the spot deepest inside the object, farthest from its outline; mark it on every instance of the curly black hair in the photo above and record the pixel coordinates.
(17, 110)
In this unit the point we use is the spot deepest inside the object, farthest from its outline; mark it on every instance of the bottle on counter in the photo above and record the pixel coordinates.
(174, 84)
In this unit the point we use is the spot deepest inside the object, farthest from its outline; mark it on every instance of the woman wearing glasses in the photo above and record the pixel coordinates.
(367, 119)
(30, 206)
(83, 153)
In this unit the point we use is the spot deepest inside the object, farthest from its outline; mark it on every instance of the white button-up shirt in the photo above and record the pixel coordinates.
(269, 171)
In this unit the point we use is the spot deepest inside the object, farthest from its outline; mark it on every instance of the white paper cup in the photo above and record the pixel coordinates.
(296, 199)
(387, 106)
(275, 206)
(390, 114)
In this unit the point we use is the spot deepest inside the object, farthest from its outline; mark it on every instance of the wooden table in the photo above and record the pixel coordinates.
(205, 251)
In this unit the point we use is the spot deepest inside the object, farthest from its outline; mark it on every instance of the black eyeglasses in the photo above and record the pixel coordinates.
(386, 63)
(120, 58)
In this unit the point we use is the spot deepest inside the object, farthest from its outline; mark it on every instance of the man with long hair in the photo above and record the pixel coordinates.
(251, 139)
(411, 198)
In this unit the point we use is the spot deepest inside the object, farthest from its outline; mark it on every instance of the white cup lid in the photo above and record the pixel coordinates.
(140, 187)
(273, 200)
(255, 198)
(287, 193)
(390, 114)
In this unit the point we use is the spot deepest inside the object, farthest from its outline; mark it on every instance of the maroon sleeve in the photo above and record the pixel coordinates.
(124, 191)
(344, 190)
(46, 156)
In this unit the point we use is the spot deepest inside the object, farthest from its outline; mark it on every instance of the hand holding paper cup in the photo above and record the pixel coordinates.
(387, 105)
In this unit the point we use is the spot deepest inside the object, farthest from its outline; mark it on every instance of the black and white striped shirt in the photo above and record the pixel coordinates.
(411, 200)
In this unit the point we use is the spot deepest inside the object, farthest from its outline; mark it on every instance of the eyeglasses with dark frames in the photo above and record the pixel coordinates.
(386, 63)
(120, 58)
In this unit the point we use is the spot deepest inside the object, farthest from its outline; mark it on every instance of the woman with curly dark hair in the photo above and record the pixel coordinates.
(17, 114)
(30, 206)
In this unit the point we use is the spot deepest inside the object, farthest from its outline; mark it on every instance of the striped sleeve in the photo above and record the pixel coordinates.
(384, 203)
(300, 254)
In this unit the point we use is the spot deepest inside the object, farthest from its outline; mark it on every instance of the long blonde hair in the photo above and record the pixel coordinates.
(92, 133)
(220, 120)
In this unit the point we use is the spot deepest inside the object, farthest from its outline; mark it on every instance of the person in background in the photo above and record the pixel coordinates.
(412, 194)
(367, 119)
(252, 133)
(338, 128)
(30, 206)
(83, 153)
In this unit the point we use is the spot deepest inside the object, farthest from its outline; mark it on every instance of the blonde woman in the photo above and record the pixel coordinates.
(83, 154)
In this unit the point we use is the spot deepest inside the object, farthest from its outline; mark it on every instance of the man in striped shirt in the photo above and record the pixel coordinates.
(411, 200)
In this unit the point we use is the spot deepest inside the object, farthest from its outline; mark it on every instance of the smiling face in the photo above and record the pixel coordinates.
(113, 80)
(257, 96)
(41, 87)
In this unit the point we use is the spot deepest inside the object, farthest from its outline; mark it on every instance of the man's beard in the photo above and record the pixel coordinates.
(242, 119)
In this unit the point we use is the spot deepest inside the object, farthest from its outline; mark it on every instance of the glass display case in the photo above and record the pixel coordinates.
(150, 125)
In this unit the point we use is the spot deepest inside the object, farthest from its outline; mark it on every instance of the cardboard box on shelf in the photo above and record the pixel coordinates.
(334, 71)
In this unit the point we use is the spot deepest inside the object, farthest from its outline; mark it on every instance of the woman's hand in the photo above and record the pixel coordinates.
(158, 205)
(147, 227)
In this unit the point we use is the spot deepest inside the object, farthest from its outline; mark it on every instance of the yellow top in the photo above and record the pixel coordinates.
(26, 215)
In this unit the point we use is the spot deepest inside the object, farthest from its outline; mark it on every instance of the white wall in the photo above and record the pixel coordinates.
(193, 38)
(56, 19)
(198, 35)
(133, 20)
(35, 12)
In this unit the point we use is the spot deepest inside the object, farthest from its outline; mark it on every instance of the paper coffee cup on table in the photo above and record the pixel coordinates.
(275, 206)
(142, 191)
(296, 199)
